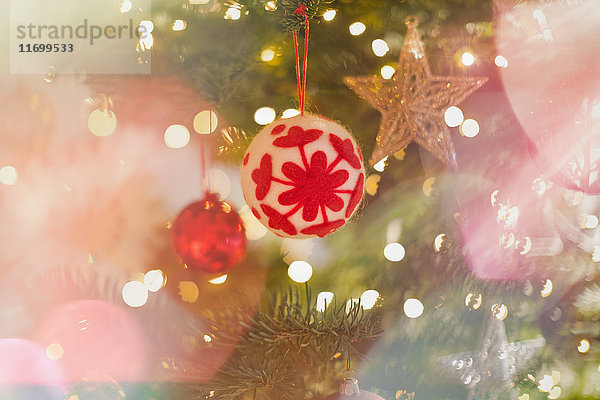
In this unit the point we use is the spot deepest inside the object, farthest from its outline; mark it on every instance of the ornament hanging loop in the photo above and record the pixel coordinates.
(411, 21)
(349, 384)
(301, 78)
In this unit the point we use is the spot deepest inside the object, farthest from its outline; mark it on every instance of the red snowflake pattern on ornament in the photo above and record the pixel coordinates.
(314, 185)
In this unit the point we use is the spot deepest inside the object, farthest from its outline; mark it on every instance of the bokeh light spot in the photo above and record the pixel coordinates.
(218, 280)
(380, 47)
(501, 61)
(453, 116)
(369, 298)
(357, 28)
(590, 221)
(394, 252)
(155, 280)
(205, 122)
(9, 175)
(387, 71)
(500, 311)
(290, 112)
(54, 351)
(188, 291)
(323, 300)
(135, 294)
(264, 115)
(267, 55)
(584, 346)
(179, 25)
(329, 15)
(413, 308)
(177, 136)
(380, 165)
(233, 13)
(300, 271)
(469, 128)
(102, 123)
(547, 288)
(467, 59)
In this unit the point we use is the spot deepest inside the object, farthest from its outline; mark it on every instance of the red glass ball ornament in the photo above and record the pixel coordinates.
(209, 235)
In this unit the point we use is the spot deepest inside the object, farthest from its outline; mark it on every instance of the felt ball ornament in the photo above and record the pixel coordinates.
(349, 391)
(303, 176)
(209, 235)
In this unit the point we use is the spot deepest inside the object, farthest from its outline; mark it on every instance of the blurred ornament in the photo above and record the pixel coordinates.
(209, 235)
(349, 390)
(413, 102)
(493, 368)
(303, 176)
(560, 110)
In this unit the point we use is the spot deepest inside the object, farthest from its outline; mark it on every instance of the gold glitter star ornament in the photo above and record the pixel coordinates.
(413, 102)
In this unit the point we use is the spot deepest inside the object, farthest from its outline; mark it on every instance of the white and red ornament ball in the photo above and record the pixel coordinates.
(303, 176)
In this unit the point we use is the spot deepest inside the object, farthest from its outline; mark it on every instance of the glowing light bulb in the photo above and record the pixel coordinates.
(469, 128)
(323, 300)
(264, 115)
(584, 346)
(467, 59)
(154, 280)
(380, 165)
(135, 294)
(9, 175)
(453, 116)
(413, 308)
(267, 55)
(233, 13)
(290, 112)
(219, 280)
(501, 61)
(329, 15)
(380, 47)
(387, 71)
(177, 136)
(179, 25)
(357, 28)
(102, 123)
(206, 122)
(394, 252)
(369, 298)
(300, 271)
